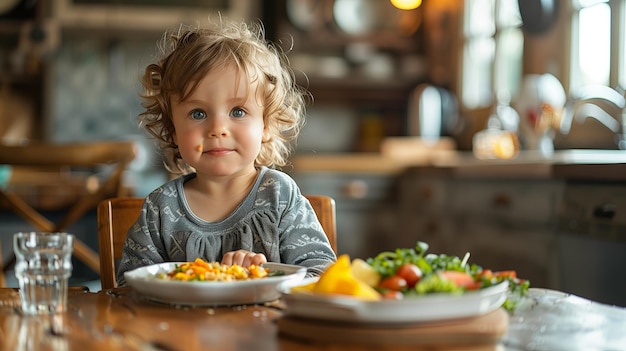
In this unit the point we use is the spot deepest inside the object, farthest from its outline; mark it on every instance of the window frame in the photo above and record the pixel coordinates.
(478, 114)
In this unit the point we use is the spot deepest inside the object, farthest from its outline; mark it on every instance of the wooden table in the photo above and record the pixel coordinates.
(118, 319)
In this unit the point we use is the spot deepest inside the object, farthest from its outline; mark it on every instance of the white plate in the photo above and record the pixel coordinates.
(415, 309)
(241, 292)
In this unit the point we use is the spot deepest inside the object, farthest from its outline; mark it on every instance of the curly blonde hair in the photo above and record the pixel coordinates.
(191, 52)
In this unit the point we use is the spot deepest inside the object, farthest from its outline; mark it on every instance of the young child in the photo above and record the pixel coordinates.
(224, 107)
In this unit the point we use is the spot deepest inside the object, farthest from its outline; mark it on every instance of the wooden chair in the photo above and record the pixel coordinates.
(60, 160)
(117, 215)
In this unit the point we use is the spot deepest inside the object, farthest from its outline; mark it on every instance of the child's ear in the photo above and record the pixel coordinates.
(266, 135)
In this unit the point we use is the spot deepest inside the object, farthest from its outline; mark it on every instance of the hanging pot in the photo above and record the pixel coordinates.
(538, 15)
(17, 9)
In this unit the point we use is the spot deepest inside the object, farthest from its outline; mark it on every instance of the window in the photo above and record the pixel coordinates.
(493, 44)
(598, 43)
(622, 57)
(492, 51)
(621, 62)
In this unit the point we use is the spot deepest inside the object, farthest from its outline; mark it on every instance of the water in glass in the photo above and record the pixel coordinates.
(43, 269)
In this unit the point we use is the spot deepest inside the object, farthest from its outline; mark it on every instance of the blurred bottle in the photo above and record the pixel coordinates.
(371, 132)
(495, 144)
(499, 140)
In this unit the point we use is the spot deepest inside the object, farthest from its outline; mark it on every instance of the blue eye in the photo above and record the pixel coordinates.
(197, 114)
(237, 112)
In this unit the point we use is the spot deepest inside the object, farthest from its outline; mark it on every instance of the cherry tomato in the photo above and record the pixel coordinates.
(460, 279)
(394, 282)
(473, 286)
(392, 295)
(486, 273)
(505, 274)
(411, 273)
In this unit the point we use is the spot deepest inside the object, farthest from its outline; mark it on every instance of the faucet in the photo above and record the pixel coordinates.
(600, 102)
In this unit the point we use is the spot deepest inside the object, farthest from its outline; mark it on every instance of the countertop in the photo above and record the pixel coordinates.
(587, 164)
(553, 320)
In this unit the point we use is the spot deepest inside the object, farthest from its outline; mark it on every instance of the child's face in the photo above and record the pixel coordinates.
(219, 128)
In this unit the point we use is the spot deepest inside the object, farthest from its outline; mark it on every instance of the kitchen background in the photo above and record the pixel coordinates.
(441, 76)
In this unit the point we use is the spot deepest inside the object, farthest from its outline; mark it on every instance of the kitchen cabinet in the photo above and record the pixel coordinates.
(503, 223)
(365, 205)
(423, 202)
(591, 247)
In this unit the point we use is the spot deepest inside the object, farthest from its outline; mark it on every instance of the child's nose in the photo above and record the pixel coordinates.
(218, 133)
(218, 128)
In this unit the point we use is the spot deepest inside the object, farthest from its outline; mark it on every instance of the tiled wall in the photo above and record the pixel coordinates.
(94, 96)
(94, 89)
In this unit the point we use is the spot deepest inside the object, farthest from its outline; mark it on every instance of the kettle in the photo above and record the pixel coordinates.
(432, 113)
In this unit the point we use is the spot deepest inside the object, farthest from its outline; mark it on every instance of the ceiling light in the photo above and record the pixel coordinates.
(406, 4)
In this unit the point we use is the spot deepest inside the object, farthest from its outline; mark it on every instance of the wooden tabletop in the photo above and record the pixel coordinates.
(118, 319)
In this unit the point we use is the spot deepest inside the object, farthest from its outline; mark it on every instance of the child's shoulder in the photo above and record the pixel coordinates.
(271, 173)
(273, 178)
(170, 188)
(278, 188)
(277, 185)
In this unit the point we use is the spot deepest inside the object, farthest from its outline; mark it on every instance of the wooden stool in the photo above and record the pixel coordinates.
(62, 158)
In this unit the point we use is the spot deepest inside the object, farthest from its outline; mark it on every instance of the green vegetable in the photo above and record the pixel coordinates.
(275, 273)
(435, 283)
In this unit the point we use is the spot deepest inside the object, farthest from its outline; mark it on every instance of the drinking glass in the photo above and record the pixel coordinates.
(43, 267)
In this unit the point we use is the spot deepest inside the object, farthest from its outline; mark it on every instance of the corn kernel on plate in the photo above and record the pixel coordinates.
(151, 283)
(429, 308)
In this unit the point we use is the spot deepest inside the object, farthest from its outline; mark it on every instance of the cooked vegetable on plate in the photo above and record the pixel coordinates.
(200, 270)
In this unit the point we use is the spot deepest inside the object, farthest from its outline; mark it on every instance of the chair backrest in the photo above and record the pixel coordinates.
(117, 215)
